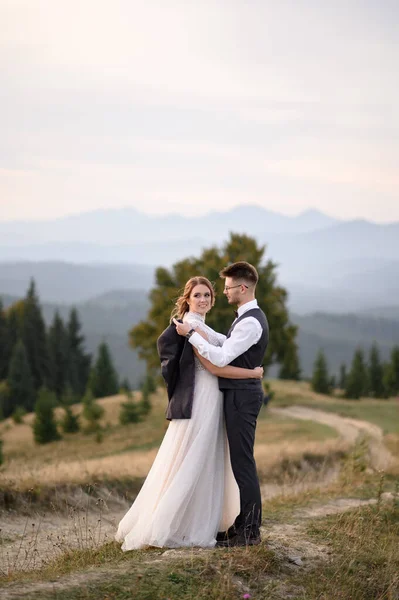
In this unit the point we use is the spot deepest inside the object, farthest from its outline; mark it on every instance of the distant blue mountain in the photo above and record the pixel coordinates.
(325, 263)
(71, 283)
(130, 226)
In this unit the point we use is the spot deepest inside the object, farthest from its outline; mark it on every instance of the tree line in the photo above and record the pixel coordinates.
(35, 360)
(366, 376)
(43, 368)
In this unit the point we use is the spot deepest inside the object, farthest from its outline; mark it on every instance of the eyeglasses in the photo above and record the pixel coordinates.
(231, 287)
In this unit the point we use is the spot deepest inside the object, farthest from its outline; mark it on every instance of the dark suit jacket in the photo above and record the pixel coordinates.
(178, 370)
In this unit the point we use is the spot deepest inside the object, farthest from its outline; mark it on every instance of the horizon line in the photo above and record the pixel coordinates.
(208, 213)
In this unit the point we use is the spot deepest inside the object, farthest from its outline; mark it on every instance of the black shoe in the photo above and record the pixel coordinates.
(222, 536)
(239, 540)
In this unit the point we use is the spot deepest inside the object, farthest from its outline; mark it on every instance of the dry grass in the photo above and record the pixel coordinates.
(384, 413)
(128, 451)
(79, 457)
(364, 547)
(355, 555)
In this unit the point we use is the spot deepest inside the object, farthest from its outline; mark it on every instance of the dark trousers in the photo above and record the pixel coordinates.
(241, 409)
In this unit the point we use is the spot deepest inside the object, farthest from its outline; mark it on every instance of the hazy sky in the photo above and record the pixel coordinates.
(196, 105)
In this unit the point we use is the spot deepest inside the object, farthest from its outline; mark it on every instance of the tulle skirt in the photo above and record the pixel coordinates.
(190, 492)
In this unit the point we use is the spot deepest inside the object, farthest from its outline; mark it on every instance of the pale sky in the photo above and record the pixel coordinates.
(194, 106)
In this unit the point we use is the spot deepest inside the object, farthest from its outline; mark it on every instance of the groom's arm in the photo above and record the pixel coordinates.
(244, 335)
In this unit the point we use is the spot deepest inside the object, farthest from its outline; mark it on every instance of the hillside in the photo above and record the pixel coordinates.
(325, 506)
(64, 282)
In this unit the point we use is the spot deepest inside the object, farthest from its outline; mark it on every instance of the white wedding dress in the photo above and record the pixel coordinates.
(190, 492)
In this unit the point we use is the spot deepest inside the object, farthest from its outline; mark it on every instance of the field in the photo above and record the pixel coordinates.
(329, 476)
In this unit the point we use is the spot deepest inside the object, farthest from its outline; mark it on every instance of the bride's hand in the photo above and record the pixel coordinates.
(258, 371)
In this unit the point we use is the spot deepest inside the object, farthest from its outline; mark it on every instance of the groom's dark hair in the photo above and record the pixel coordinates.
(241, 270)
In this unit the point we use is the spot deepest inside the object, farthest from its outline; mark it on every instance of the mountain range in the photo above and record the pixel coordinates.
(342, 277)
(128, 226)
(325, 263)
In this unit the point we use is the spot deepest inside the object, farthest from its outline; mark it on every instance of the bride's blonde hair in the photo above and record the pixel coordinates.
(181, 304)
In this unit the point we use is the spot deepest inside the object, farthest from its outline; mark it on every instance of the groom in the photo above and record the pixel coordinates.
(245, 346)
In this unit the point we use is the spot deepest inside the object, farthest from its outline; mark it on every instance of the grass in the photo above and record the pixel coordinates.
(152, 574)
(364, 563)
(384, 413)
(361, 545)
(128, 451)
(358, 560)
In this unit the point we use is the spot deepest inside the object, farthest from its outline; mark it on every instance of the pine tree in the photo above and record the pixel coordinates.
(18, 415)
(149, 385)
(92, 411)
(105, 380)
(69, 397)
(320, 378)
(91, 382)
(14, 316)
(125, 386)
(387, 379)
(290, 368)
(333, 383)
(70, 422)
(20, 382)
(44, 425)
(145, 405)
(5, 400)
(395, 368)
(5, 350)
(130, 411)
(58, 353)
(78, 362)
(391, 374)
(147, 388)
(375, 374)
(357, 377)
(342, 376)
(33, 333)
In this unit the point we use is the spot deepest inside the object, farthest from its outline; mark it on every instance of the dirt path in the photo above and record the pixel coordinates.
(349, 430)
(288, 541)
(29, 542)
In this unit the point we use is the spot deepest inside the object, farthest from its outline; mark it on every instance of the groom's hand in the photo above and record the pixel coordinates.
(182, 328)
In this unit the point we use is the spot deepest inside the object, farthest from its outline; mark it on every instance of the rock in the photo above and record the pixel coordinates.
(295, 560)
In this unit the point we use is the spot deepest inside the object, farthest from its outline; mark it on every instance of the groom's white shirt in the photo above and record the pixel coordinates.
(244, 335)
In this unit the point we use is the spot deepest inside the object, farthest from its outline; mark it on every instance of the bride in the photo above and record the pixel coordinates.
(190, 493)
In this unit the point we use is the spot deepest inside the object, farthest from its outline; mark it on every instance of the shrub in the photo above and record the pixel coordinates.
(70, 422)
(130, 412)
(92, 412)
(145, 405)
(44, 425)
(18, 415)
(149, 385)
(125, 386)
(320, 377)
(5, 397)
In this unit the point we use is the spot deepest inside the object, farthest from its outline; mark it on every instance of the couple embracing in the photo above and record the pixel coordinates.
(202, 489)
